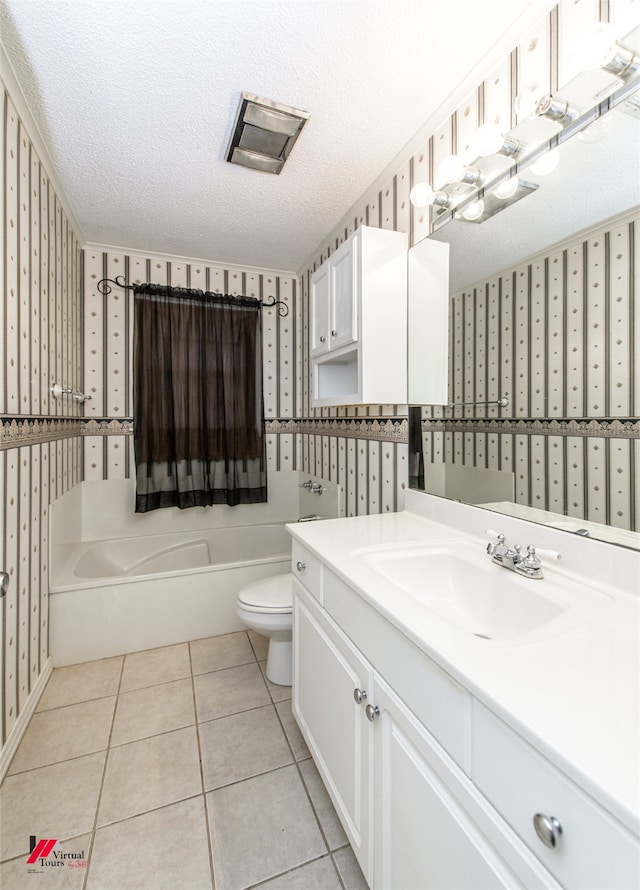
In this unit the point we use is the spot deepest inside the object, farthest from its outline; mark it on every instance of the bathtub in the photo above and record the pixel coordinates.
(122, 595)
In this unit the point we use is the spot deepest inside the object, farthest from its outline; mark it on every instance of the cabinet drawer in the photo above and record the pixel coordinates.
(593, 850)
(307, 568)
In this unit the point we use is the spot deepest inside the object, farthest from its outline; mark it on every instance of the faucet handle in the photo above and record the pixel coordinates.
(531, 561)
(498, 549)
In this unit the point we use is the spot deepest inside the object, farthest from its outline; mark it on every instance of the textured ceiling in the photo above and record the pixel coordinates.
(136, 101)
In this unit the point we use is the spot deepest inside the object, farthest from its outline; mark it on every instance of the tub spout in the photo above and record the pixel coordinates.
(310, 518)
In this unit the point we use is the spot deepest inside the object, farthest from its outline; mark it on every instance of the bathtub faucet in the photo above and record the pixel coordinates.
(310, 518)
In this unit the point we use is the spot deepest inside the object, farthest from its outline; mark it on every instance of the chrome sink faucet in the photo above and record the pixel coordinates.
(512, 558)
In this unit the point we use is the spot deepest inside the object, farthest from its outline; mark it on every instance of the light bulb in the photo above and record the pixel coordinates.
(546, 163)
(487, 140)
(507, 189)
(421, 194)
(599, 47)
(596, 130)
(450, 169)
(526, 100)
(474, 210)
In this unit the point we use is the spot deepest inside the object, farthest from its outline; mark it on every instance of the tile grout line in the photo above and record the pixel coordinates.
(207, 819)
(308, 794)
(102, 780)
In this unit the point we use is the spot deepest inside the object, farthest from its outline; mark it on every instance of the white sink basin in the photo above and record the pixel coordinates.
(458, 582)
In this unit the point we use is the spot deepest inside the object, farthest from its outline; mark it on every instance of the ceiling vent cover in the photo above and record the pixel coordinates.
(264, 134)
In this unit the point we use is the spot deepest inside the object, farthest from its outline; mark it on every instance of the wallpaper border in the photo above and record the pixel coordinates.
(608, 428)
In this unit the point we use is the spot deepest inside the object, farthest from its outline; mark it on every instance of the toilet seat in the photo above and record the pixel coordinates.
(268, 595)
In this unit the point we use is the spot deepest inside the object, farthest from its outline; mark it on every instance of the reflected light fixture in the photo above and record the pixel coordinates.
(473, 211)
(507, 189)
(489, 140)
(264, 133)
(597, 130)
(546, 163)
(453, 169)
(422, 195)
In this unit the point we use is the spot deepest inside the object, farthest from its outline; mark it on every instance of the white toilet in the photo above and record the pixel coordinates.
(265, 606)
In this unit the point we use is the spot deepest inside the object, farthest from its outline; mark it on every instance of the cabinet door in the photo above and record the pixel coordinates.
(326, 671)
(423, 837)
(319, 298)
(344, 297)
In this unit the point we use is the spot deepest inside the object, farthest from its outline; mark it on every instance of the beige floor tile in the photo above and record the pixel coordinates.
(260, 645)
(154, 666)
(163, 850)
(216, 653)
(350, 871)
(271, 817)
(277, 693)
(150, 773)
(152, 710)
(63, 733)
(81, 682)
(18, 875)
(52, 801)
(325, 811)
(296, 740)
(318, 875)
(242, 745)
(229, 691)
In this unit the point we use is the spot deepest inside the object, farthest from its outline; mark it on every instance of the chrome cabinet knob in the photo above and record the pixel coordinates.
(334, 333)
(301, 566)
(372, 711)
(548, 829)
(359, 695)
(323, 339)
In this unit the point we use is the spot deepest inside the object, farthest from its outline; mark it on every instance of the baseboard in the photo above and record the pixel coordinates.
(20, 726)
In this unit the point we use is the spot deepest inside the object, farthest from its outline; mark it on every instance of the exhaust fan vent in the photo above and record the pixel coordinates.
(264, 134)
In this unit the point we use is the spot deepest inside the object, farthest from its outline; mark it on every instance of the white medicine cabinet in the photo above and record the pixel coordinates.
(358, 301)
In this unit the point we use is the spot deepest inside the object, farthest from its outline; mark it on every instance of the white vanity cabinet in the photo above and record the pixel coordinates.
(434, 791)
(412, 816)
(358, 311)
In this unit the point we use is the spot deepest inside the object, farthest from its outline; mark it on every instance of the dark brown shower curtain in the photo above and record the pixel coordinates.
(198, 406)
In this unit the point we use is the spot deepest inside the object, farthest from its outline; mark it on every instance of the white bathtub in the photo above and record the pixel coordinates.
(123, 595)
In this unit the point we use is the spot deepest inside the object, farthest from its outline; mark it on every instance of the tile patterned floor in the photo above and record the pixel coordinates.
(178, 768)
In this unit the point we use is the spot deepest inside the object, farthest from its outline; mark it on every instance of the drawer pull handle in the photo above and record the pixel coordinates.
(301, 566)
(359, 695)
(323, 339)
(548, 829)
(372, 712)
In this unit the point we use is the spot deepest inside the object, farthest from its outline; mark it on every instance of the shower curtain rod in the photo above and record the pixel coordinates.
(104, 287)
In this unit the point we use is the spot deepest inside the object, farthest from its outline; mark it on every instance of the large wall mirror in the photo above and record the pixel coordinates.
(544, 342)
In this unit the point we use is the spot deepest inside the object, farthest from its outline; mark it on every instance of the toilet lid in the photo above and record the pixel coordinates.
(268, 595)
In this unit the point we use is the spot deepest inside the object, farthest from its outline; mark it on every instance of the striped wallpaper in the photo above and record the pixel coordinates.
(40, 454)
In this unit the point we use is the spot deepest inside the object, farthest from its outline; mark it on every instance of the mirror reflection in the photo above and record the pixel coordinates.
(542, 318)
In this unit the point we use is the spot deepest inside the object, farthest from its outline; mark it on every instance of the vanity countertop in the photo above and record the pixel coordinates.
(575, 696)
